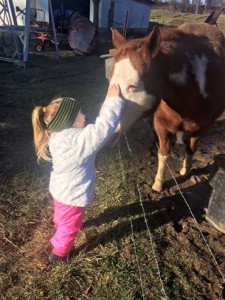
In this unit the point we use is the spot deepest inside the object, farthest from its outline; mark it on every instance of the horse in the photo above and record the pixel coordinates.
(178, 76)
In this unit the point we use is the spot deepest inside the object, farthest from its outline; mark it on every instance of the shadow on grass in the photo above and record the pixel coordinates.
(158, 213)
(182, 179)
(171, 209)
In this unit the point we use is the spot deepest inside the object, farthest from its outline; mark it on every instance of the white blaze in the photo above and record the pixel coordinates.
(130, 83)
(132, 88)
(199, 69)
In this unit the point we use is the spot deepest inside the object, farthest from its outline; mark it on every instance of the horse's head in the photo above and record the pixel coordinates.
(131, 65)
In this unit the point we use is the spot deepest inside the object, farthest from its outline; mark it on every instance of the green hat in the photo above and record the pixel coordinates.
(65, 115)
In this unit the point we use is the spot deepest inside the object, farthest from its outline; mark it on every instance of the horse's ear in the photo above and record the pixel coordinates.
(153, 41)
(117, 38)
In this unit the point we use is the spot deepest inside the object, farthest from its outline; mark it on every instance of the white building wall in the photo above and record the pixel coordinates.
(138, 13)
(39, 4)
(43, 5)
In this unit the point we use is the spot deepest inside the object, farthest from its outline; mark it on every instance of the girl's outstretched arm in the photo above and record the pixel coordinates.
(94, 136)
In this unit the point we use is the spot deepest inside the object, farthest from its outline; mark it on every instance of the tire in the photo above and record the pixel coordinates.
(39, 47)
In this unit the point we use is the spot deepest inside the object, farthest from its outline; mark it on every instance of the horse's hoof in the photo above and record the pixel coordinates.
(157, 186)
(184, 171)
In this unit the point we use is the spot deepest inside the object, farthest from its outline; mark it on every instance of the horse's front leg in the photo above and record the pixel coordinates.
(165, 140)
(191, 147)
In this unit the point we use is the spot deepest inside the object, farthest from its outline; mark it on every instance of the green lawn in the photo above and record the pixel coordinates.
(170, 18)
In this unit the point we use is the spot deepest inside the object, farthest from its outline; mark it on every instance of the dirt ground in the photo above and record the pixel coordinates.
(180, 228)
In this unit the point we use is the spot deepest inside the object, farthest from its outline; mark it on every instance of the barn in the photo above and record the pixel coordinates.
(135, 13)
(132, 15)
(129, 16)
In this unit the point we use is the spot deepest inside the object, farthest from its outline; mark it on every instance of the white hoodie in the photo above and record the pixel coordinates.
(73, 152)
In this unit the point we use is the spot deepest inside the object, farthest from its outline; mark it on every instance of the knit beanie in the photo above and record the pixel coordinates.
(65, 115)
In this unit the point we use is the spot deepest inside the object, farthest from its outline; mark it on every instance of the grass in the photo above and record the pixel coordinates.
(114, 257)
(170, 18)
(108, 271)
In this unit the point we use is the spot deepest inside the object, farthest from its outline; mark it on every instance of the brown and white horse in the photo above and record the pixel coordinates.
(177, 74)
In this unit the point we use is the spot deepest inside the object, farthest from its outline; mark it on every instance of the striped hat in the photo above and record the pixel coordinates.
(65, 115)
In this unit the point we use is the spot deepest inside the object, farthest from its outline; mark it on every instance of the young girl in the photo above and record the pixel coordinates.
(60, 127)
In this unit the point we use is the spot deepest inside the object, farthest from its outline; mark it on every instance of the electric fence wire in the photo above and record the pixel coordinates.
(148, 228)
(192, 214)
(131, 226)
(152, 246)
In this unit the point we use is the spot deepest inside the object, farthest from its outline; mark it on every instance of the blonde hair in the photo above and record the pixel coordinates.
(41, 117)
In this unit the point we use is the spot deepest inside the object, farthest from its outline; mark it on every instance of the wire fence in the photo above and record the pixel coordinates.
(148, 229)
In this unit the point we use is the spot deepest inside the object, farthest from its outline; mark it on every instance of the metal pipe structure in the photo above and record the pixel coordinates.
(21, 34)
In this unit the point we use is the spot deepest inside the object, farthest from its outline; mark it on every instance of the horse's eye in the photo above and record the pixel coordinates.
(131, 87)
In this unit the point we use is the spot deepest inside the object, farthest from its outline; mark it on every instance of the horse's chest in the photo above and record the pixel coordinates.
(171, 120)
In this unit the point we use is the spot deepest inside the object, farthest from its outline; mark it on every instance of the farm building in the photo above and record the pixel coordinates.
(117, 13)
(135, 13)
(43, 16)
(109, 12)
(39, 10)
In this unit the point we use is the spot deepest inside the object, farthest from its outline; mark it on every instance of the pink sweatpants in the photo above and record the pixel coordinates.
(68, 221)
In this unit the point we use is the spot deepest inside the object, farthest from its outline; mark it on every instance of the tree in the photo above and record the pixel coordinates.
(198, 2)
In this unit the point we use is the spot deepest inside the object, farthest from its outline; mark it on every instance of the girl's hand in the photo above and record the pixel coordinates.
(113, 90)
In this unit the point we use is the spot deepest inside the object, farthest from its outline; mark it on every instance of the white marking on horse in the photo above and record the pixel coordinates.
(199, 65)
(131, 85)
(179, 77)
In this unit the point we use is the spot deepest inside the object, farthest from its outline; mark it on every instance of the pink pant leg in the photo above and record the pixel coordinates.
(68, 221)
